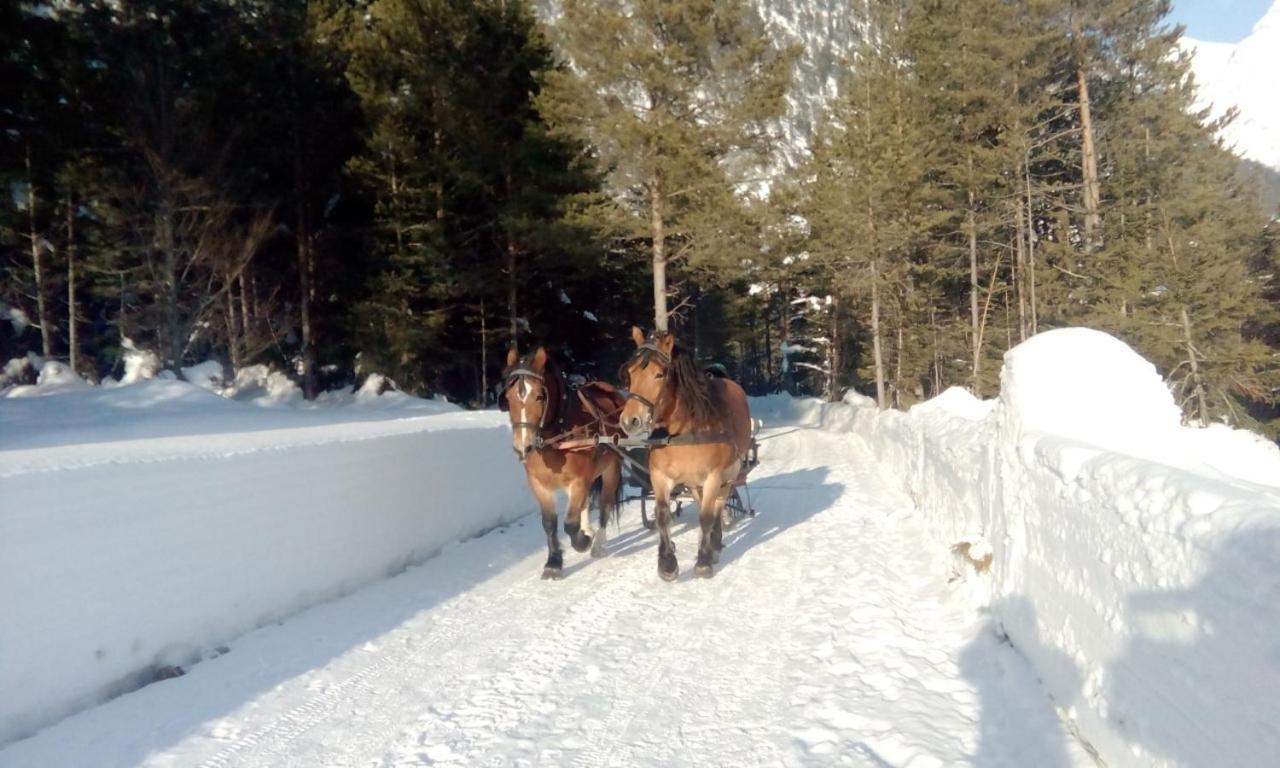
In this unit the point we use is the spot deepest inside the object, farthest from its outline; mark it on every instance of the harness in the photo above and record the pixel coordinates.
(524, 372)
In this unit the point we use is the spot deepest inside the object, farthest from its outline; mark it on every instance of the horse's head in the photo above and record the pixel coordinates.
(524, 397)
(645, 376)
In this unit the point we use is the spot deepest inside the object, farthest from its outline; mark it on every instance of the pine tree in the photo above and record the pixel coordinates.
(676, 99)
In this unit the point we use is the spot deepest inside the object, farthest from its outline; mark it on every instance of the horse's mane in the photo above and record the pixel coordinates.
(691, 387)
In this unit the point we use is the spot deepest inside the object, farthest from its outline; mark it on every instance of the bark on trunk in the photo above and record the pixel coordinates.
(1031, 252)
(306, 265)
(657, 227)
(971, 228)
(877, 353)
(834, 375)
(73, 344)
(1090, 193)
(37, 263)
(1197, 389)
(1020, 270)
(166, 244)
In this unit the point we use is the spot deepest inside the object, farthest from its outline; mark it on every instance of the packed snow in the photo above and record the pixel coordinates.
(1133, 561)
(827, 635)
(1062, 576)
(1243, 75)
(146, 525)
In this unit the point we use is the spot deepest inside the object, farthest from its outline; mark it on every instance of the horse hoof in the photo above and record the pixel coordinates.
(703, 571)
(552, 574)
(668, 568)
(598, 548)
(581, 542)
(715, 556)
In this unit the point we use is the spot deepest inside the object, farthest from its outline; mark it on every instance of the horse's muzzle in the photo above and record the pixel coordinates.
(636, 426)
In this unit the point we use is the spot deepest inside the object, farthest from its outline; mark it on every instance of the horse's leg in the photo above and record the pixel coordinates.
(708, 517)
(610, 479)
(576, 518)
(547, 503)
(668, 568)
(717, 532)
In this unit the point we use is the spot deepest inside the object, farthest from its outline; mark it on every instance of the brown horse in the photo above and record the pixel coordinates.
(708, 423)
(542, 408)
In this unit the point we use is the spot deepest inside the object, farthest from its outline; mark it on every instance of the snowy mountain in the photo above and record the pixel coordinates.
(1243, 75)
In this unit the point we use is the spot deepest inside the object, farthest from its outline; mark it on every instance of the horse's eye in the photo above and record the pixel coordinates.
(659, 375)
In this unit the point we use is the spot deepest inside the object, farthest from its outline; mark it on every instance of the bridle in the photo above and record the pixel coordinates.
(524, 372)
(646, 352)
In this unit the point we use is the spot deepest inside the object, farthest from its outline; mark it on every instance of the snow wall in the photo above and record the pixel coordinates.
(117, 564)
(1134, 562)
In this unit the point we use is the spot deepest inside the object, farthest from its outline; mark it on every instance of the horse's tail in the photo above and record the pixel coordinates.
(597, 501)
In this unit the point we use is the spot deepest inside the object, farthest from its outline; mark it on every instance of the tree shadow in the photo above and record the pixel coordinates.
(124, 730)
(1197, 681)
(781, 502)
(1018, 724)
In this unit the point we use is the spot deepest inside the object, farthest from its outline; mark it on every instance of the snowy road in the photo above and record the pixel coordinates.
(829, 636)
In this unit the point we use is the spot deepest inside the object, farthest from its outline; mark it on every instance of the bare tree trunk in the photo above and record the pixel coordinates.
(937, 353)
(971, 228)
(172, 294)
(306, 260)
(484, 356)
(73, 344)
(512, 295)
(1202, 407)
(1091, 193)
(1020, 270)
(897, 370)
(658, 230)
(833, 377)
(1031, 251)
(877, 354)
(37, 263)
(233, 331)
(768, 345)
(245, 316)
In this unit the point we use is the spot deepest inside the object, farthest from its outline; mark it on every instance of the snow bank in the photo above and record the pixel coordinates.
(144, 526)
(1133, 561)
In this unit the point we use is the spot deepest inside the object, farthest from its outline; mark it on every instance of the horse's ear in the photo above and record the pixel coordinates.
(540, 359)
(666, 342)
(637, 335)
(512, 357)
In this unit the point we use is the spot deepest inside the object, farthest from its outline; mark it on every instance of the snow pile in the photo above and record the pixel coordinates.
(144, 526)
(1133, 561)
(139, 364)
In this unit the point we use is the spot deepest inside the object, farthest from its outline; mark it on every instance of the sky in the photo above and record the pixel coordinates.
(1218, 21)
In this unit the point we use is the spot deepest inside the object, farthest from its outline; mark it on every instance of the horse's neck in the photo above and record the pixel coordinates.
(675, 415)
(564, 411)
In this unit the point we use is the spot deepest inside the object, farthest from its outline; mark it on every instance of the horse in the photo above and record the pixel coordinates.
(708, 435)
(542, 408)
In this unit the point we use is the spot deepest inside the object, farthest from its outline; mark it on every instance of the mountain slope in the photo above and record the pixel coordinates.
(1243, 75)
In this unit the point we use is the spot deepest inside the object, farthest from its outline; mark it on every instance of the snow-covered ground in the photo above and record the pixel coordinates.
(1061, 577)
(828, 636)
(177, 520)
